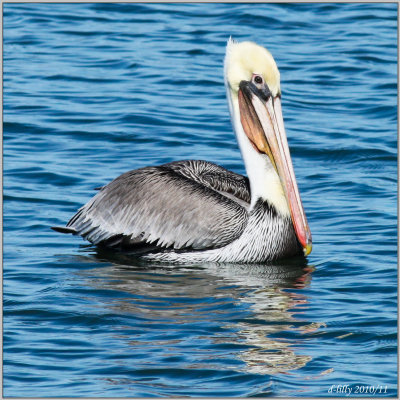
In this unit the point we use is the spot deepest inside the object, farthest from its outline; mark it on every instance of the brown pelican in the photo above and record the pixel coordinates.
(196, 211)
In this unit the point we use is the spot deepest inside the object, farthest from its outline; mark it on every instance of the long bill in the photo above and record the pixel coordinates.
(262, 121)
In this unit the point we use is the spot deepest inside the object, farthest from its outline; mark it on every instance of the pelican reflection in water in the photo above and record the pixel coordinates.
(196, 211)
(251, 304)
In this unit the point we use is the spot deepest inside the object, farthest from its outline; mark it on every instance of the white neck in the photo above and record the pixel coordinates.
(264, 180)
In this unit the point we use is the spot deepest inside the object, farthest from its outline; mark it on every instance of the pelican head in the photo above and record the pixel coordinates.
(252, 81)
(247, 61)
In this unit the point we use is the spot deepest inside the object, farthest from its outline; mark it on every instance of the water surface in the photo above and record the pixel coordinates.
(94, 90)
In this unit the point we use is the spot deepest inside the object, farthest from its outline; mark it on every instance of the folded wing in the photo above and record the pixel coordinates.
(180, 205)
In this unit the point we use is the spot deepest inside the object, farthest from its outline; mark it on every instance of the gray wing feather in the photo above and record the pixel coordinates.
(177, 205)
(213, 176)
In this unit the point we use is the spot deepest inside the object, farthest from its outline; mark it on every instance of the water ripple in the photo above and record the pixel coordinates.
(93, 90)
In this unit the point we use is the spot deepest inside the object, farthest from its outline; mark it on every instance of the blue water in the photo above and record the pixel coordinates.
(94, 90)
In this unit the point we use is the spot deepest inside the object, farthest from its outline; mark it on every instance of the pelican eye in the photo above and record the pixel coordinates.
(258, 79)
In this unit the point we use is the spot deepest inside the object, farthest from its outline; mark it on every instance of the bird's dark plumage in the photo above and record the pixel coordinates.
(134, 211)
